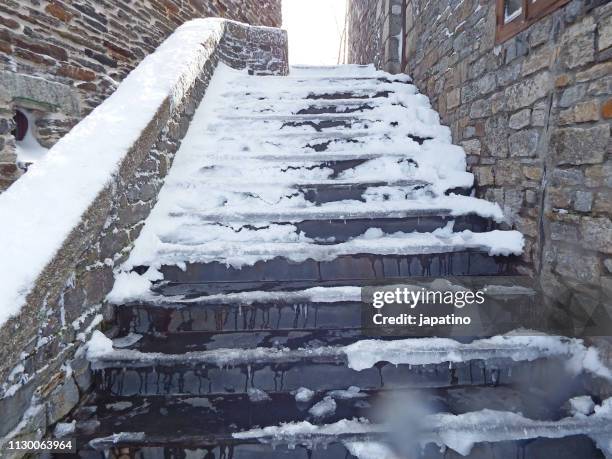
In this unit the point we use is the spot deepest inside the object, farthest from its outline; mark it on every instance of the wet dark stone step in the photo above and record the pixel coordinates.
(174, 318)
(337, 166)
(349, 95)
(349, 267)
(322, 193)
(345, 229)
(221, 415)
(198, 447)
(335, 108)
(574, 447)
(177, 343)
(187, 375)
(290, 313)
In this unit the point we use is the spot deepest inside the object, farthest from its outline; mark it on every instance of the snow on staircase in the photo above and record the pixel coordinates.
(237, 331)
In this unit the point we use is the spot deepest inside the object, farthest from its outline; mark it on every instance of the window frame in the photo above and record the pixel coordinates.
(532, 11)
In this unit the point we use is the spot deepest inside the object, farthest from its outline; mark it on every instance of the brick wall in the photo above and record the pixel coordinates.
(374, 31)
(59, 59)
(533, 114)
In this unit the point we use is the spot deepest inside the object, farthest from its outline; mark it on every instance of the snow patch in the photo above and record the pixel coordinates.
(582, 405)
(324, 408)
(304, 395)
(257, 395)
(99, 345)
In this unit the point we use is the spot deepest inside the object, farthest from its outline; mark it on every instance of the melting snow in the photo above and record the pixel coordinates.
(345, 394)
(257, 395)
(582, 405)
(324, 408)
(303, 395)
(370, 450)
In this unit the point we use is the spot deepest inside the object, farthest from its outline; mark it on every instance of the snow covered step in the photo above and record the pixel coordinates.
(301, 124)
(369, 364)
(278, 86)
(480, 434)
(325, 89)
(254, 209)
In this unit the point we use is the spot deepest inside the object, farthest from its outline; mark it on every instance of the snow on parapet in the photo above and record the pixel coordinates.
(40, 210)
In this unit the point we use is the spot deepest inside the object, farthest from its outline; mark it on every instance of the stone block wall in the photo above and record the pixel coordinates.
(43, 370)
(533, 115)
(60, 58)
(374, 33)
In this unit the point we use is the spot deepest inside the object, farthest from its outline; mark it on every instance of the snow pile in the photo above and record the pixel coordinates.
(366, 353)
(370, 450)
(346, 394)
(303, 395)
(581, 405)
(324, 408)
(257, 395)
(289, 431)
(59, 188)
(99, 345)
(64, 429)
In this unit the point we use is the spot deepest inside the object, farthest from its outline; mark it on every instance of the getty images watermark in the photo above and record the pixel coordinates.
(468, 306)
(411, 297)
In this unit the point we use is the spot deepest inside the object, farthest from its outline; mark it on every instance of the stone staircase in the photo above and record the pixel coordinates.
(238, 333)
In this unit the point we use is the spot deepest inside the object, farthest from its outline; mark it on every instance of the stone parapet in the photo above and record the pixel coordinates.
(43, 372)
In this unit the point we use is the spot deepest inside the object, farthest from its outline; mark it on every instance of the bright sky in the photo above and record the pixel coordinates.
(315, 28)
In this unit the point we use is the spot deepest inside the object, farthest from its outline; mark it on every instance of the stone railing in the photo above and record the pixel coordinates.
(93, 192)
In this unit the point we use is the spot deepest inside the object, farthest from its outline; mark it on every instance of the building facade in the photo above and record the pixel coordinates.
(59, 59)
(526, 89)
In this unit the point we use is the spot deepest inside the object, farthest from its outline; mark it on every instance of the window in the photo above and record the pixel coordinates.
(21, 126)
(516, 15)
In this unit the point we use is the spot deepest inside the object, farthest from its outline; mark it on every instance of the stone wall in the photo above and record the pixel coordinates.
(43, 372)
(61, 58)
(374, 32)
(533, 114)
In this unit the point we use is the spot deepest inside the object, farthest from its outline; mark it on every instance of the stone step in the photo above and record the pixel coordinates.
(346, 267)
(278, 126)
(368, 364)
(570, 447)
(441, 206)
(343, 230)
(324, 141)
(220, 415)
(332, 231)
(190, 341)
(187, 376)
(178, 317)
(318, 92)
